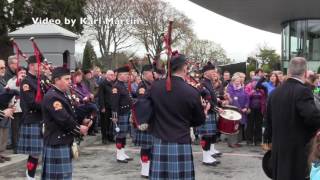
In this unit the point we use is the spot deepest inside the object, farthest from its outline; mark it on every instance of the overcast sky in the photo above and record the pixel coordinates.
(237, 39)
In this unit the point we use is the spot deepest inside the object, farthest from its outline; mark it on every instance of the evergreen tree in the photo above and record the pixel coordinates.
(89, 57)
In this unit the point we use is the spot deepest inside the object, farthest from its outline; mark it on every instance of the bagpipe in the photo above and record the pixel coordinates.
(83, 104)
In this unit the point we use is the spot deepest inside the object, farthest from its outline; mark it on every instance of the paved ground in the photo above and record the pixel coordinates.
(97, 162)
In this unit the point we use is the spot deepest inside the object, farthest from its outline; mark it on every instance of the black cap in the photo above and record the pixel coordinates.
(86, 71)
(60, 71)
(123, 69)
(207, 67)
(177, 60)
(146, 68)
(32, 59)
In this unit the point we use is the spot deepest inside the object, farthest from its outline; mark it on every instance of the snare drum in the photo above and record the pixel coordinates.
(229, 120)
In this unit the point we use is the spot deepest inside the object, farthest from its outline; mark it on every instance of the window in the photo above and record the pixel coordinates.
(313, 40)
(285, 43)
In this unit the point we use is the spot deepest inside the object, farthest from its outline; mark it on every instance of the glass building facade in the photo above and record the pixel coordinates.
(301, 38)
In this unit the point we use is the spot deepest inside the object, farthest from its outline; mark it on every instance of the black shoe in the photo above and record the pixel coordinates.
(258, 143)
(9, 147)
(218, 155)
(129, 159)
(210, 164)
(6, 158)
(144, 177)
(217, 162)
(92, 134)
(111, 140)
(250, 143)
(104, 141)
(122, 161)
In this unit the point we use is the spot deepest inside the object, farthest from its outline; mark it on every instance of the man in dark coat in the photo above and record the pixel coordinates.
(292, 120)
(175, 111)
(105, 91)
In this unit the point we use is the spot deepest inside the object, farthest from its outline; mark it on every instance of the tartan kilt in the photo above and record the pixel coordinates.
(143, 139)
(57, 162)
(30, 139)
(171, 161)
(124, 125)
(209, 127)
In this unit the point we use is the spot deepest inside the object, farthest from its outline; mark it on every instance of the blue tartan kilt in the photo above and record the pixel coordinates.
(57, 162)
(143, 139)
(124, 125)
(209, 127)
(30, 139)
(171, 161)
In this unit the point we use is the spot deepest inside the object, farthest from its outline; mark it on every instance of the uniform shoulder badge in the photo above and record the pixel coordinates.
(114, 90)
(57, 105)
(25, 87)
(142, 90)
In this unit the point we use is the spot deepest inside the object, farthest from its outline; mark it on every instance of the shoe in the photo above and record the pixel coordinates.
(122, 161)
(28, 177)
(250, 143)
(217, 161)
(258, 143)
(209, 164)
(208, 160)
(104, 141)
(9, 147)
(111, 140)
(6, 158)
(214, 153)
(2, 160)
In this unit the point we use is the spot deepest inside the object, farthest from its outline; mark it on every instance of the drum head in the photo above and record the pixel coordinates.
(231, 107)
(231, 115)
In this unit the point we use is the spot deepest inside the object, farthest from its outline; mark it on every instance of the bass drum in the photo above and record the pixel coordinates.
(229, 120)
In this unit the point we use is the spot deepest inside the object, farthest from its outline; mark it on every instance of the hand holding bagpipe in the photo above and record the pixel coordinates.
(8, 113)
(87, 122)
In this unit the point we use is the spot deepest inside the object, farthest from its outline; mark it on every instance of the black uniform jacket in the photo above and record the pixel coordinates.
(175, 111)
(121, 100)
(30, 109)
(59, 118)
